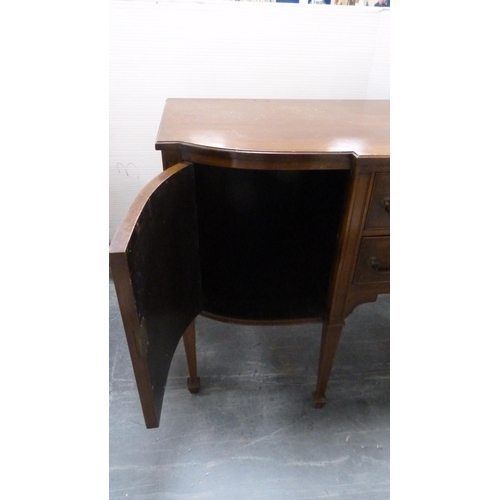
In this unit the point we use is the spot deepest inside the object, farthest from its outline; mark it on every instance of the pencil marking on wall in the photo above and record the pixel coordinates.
(127, 168)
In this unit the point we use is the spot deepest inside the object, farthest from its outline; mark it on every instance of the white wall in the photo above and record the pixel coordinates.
(162, 49)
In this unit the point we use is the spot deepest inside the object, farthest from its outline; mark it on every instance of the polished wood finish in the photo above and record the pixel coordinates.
(154, 259)
(330, 338)
(279, 213)
(277, 126)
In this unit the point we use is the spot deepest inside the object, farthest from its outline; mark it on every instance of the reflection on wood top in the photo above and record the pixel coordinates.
(279, 125)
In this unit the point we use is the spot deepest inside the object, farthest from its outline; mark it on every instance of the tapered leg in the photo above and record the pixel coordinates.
(330, 339)
(189, 337)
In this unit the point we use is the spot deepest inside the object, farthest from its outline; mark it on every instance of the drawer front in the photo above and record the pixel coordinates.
(378, 212)
(373, 260)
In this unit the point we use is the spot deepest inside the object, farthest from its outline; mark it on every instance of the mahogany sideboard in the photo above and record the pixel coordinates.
(266, 212)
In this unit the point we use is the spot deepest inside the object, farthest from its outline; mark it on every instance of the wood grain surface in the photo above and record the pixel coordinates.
(280, 125)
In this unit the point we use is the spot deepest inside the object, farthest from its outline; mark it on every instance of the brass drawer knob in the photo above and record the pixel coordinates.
(375, 265)
(385, 203)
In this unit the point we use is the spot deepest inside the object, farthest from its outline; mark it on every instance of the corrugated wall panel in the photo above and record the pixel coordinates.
(229, 49)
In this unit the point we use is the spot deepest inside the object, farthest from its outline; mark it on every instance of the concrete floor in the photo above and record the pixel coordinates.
(252, 432)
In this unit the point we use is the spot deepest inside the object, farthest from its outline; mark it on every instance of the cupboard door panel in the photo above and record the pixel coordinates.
(155, 264)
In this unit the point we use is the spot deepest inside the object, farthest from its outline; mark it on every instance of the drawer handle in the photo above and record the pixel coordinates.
(385, 203)
(375, 265)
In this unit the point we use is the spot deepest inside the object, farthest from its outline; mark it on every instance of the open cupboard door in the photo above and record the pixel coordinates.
(155, 264)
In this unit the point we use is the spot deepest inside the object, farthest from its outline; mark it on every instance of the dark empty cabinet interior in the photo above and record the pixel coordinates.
(267, 239)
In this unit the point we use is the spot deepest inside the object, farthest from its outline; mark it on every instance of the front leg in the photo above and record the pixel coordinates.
(189, 337)
(330, 338)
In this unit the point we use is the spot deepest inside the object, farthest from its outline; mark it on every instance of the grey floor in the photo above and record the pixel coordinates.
(252, 432)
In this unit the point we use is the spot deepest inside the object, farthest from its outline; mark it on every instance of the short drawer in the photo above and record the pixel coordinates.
(373, 260)
(378, 211)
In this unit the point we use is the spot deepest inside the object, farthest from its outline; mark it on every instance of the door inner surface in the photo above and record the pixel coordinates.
(155, 260)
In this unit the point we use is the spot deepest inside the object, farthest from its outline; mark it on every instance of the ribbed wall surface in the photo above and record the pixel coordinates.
(234, 50)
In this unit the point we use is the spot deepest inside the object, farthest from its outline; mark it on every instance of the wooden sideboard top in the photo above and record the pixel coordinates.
(279, 125)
